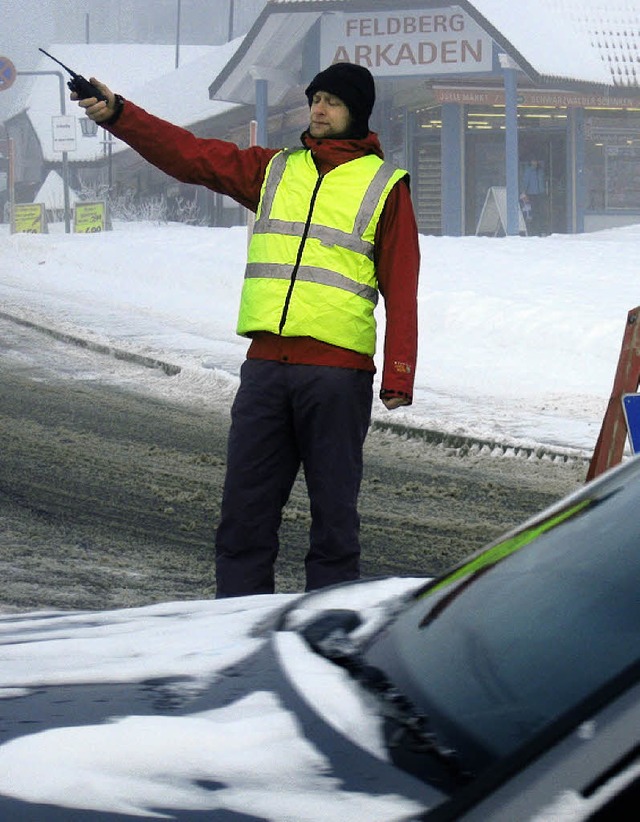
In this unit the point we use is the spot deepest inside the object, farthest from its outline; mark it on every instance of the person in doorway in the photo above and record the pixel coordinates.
(334, 227)
(535, 188)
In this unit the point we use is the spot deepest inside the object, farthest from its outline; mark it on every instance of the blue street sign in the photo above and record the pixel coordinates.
(631, 406)
(7, 73)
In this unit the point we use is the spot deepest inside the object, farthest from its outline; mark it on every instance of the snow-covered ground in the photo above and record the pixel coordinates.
(519, 336)
(519, 342)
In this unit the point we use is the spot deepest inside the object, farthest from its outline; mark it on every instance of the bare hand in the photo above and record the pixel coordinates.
(394, 402)
(98, 110)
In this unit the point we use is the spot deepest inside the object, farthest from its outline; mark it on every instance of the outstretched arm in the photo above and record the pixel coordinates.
(219, 165)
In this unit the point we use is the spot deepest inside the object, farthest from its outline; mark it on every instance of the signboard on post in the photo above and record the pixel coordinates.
(90, 218)
(64, 133)
(631, 408)
(29, 218)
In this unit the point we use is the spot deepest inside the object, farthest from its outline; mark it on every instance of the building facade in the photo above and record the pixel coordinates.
(533, 108)
(512, 118)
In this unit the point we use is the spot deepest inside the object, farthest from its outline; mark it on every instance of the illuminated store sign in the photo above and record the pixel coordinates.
(406, 42)
(528, 97)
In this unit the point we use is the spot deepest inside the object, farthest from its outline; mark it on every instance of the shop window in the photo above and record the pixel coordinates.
(612, 167)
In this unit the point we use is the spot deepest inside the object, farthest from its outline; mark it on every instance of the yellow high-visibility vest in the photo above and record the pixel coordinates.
(310, 269)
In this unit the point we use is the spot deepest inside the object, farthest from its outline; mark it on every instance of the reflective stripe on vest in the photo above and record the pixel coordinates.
(314, 275)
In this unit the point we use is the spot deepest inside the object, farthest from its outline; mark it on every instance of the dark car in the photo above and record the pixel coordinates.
(512, 684)
(506, 690)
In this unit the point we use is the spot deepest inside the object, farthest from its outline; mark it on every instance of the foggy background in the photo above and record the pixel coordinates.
(27, 24)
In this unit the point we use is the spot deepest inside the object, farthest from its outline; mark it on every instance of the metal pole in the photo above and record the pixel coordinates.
(178, 15)
(11, 186)
(12, 177)
(110, 152)
(511, 117)
(262, 111)
(65, 158)
(231, 16)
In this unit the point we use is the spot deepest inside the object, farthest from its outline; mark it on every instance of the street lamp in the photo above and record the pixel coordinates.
(88, 127)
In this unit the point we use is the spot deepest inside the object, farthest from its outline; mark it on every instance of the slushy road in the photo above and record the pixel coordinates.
(110, 487)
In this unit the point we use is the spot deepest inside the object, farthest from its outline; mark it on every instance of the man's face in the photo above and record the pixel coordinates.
(329, 116)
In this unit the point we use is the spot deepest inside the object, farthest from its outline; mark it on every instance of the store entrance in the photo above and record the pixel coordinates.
(542, 178)
(541, 172)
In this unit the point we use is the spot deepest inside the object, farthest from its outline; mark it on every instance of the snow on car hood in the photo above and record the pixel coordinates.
(248, 756)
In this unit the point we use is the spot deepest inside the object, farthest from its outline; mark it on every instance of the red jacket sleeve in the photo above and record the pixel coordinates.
(215, 164)
(398, 266)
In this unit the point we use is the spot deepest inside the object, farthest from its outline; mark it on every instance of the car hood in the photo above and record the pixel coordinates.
(190, 708)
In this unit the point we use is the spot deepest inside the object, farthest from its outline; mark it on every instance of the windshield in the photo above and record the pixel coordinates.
(522, 633)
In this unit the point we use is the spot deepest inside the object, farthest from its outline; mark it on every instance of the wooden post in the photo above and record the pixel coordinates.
(613, 433)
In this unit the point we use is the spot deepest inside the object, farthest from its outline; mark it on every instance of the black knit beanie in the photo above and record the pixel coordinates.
(354, 86)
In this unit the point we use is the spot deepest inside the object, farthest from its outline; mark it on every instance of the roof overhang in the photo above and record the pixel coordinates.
(272, 50)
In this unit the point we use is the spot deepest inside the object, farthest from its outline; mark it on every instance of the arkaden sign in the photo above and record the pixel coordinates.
(438, 41)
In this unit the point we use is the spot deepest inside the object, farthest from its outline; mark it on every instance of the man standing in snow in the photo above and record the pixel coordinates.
(334, 227)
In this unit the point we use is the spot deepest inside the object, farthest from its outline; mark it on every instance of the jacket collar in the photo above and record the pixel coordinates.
(329, 153)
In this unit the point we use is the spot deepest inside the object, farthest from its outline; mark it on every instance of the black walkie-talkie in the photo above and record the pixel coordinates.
(82, 87)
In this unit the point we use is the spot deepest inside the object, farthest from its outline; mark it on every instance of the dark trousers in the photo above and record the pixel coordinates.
(285, 416)
(538, 214)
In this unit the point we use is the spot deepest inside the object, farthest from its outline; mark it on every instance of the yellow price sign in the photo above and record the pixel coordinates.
(28, 218)
(89, 218)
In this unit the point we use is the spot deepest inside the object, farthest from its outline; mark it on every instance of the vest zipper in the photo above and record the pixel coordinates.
(303, 239)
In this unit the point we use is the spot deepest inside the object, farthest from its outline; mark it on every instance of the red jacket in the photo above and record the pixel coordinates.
(223, 167)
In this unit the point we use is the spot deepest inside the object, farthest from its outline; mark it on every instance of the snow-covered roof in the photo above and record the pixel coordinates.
(144, 73)
(51, 192)
(591, 42)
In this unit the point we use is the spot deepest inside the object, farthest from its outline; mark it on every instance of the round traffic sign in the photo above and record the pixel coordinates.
(7, 73)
